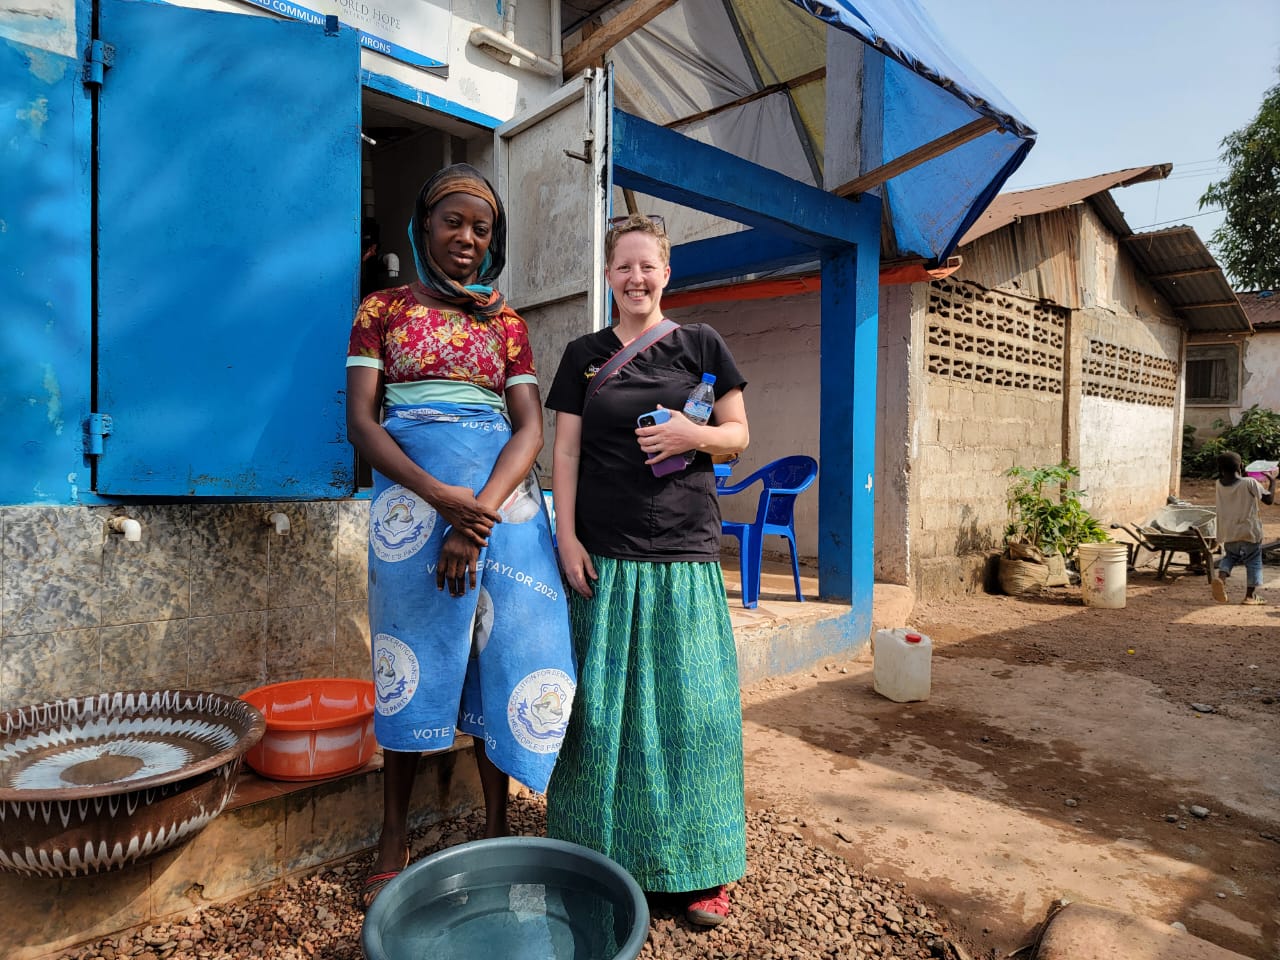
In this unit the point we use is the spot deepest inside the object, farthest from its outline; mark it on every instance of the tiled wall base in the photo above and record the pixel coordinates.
(270, 831)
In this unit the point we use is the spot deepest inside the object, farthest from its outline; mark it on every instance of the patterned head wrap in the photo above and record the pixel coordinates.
(479, 298)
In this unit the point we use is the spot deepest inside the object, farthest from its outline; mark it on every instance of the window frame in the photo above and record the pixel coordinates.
(1228, 353)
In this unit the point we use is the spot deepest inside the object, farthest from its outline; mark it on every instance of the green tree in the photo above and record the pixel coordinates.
(1255, 436)
(1248, 241)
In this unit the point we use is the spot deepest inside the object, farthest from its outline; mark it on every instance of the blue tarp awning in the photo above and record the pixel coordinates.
(752, 77)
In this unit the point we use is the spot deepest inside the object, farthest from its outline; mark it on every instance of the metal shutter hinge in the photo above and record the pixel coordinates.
(96, 428)
(97, 58)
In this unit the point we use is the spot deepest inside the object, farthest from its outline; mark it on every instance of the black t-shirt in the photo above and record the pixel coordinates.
(623, 510)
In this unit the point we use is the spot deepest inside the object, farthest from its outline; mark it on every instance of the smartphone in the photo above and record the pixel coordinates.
(672, 464)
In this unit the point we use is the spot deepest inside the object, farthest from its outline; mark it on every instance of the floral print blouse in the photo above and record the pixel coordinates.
(411, 342)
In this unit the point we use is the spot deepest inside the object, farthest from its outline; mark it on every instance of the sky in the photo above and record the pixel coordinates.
(1110, 84)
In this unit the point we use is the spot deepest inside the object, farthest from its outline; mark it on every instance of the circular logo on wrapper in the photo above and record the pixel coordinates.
(538, 711)
(395, 674)
(399, 524)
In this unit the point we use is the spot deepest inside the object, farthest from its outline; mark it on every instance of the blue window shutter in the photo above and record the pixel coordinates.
(44, 276)
(228, 225)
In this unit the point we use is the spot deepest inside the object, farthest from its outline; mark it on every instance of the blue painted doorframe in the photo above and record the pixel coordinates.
(792, 222)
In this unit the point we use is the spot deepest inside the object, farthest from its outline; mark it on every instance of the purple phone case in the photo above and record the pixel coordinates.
(671, 464)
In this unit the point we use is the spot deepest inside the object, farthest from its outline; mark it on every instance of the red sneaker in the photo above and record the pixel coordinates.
(710, 908)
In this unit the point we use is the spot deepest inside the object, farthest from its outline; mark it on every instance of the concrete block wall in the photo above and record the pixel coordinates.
(980, 414)
(970, 438)
(210, 598)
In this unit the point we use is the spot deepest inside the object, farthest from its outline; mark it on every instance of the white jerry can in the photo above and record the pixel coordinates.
(901, 664)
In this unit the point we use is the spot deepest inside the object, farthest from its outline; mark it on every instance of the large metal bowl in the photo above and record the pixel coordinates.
(91, 784)
(508, 899)
(1182, 519)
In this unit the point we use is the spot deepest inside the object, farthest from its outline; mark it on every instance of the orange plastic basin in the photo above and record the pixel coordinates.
(315, 728)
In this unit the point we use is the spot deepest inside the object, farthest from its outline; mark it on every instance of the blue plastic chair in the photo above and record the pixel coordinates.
(783, 480)
(723, 472)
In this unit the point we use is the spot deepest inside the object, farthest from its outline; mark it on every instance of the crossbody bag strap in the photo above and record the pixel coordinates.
(626, 354)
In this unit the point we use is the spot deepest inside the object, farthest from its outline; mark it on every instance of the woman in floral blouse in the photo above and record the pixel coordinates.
(442, 401)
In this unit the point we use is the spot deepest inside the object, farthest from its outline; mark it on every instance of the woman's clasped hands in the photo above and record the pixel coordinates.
(471, 523)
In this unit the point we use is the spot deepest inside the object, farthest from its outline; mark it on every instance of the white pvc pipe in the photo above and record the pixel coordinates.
(279, 521)
(131, 529)
(490, 41)
(556, 39)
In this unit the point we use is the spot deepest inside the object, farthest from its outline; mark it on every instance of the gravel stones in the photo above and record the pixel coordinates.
(797, 902)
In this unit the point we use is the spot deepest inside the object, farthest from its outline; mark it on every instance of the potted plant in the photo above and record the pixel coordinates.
(1047, 521)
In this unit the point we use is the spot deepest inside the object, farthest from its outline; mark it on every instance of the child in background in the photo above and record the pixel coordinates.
(1239, 529)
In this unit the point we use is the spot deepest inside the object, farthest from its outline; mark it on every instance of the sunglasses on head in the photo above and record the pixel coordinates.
(624, 219)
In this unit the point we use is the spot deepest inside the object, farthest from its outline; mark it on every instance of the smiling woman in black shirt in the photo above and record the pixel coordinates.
(650, 773)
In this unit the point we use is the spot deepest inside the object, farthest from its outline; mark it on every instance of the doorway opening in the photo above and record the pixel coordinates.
(403, 145)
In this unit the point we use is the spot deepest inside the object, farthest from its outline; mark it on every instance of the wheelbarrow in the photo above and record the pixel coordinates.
(1174, 530)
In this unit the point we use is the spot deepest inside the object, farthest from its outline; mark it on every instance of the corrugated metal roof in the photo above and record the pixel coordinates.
(1108, 211)
(1008, 207)
(1262, 307)
(1175, 261)
(1182, 269)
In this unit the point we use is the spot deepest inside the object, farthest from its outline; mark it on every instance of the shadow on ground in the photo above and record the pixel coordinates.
(1065, 751)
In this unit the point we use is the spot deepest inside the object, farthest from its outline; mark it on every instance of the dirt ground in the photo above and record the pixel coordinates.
(1126, 757)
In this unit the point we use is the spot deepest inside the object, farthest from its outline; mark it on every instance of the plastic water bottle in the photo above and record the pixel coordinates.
(698, 407)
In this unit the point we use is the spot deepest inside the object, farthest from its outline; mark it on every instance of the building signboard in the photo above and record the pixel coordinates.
(412, 31)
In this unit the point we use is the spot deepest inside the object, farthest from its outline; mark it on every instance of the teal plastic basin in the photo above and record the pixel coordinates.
(510, 898)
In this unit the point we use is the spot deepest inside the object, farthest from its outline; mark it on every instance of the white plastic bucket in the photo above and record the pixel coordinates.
(1103, 571)
(901, 664)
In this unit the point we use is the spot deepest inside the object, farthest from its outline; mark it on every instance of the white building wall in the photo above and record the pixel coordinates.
(776, 344)
(475, 80)
(1259, 384)
(48, 25)
(898, 391)
(1209, 421)
(1129, 414)
(1261, 381)
(1124, 481)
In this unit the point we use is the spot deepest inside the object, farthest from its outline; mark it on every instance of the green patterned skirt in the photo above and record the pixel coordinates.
(650, 773)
